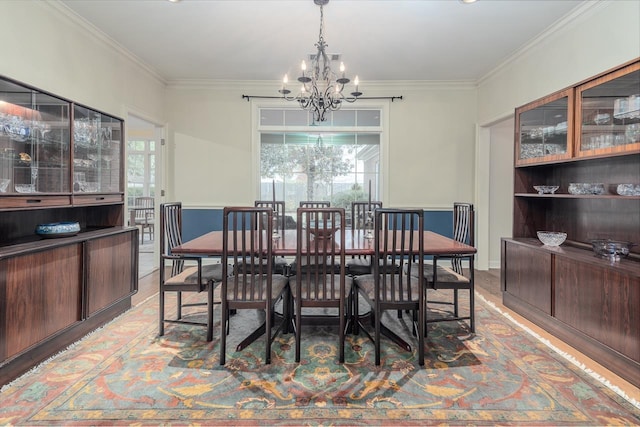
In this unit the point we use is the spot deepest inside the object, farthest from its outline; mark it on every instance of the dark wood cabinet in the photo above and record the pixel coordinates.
(591, 303)
(59, 162)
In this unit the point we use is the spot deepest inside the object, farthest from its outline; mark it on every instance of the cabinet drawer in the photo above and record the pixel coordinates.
(99, 199)
(34, 201)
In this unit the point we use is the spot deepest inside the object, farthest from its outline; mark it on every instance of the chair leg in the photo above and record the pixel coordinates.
(210, 311)
(179, 304)
(356, 312)
(341, 314)
(377, 335)
(161, 314)
(455, 302)
(224, 325)
(298, 328)
(268, 318)
(472, 310)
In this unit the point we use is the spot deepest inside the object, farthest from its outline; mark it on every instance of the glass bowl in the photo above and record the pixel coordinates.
(552, 238)
(546, 189)
(26, 188)
(4, 183)
(611, 249)
(586, 188)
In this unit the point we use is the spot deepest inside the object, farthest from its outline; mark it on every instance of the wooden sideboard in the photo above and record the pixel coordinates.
(587, 133)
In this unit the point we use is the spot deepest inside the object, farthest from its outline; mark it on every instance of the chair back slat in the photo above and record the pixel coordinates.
(463, 230)
(315, 204)
(278, 207)
(399, 245)
(320, 254)
(360, 212)
(246, 244)
(171, 226)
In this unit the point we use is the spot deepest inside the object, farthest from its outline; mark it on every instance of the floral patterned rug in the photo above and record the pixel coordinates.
(124, 374)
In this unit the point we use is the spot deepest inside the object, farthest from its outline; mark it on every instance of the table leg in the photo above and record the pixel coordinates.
(252, 337)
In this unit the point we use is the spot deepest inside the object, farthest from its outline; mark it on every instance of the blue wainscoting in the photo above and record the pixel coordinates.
(196, 222)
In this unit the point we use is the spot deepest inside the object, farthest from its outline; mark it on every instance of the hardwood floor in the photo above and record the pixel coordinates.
(487, 285)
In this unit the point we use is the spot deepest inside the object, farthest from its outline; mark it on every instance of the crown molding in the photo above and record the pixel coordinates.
(558, 26)
(101, 37)
(380, 84)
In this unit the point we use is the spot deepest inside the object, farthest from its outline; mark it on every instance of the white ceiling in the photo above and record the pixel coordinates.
(378, 39)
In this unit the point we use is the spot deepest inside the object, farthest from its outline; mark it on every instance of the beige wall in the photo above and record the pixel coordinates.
(43, 47)
(430, 149)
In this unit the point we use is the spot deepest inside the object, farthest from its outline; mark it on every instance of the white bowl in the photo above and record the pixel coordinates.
(552, 238)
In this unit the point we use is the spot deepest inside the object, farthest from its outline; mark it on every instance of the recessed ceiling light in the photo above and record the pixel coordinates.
(468, 1)
(175, 1)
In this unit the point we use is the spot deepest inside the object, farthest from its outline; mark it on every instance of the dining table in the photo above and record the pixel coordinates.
(357, 242)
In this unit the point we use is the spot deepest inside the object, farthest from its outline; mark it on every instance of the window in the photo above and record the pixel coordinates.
(140, 169)
(338, 160)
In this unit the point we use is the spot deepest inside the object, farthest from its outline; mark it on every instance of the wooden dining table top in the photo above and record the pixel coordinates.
(356, 243)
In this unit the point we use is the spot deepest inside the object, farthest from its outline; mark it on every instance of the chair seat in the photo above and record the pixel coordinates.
(359, 266)
(445, 275)
(278, 283)
(367, 284)
(189, 276)
(348, 283)
(209, 272)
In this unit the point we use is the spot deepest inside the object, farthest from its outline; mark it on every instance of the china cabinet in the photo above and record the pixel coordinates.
(591, 303)
(60, 163)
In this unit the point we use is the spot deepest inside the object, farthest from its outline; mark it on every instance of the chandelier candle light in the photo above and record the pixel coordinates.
(322, 89)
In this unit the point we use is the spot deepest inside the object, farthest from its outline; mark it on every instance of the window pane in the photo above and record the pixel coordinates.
(368, 118)
(319, 166)
(344, 118)
(269, 117)
(296, 118)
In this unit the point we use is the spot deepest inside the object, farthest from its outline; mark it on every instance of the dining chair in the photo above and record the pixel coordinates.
(455, 278)
(315, 204)
(361, 221)
(248, 282)
(320, 253)
(396, 289)
(180, 277)
(144, 216)
(280, 264)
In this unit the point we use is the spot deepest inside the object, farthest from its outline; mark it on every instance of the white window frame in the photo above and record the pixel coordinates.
(382, 130)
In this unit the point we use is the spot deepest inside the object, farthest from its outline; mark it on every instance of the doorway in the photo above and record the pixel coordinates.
(142, 195)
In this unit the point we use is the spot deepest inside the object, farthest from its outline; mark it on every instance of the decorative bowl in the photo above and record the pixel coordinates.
(586, 188)
(552, 238)
(4, 183)
(611, 249)
(58, 229)
(319, 230)
(621, 189)
(546, 189)
(26, 188)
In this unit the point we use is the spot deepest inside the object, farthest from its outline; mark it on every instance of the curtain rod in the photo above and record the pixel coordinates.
(392, 98)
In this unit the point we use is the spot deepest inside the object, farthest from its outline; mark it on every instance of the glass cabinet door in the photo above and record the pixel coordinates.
(544, 129)
(608, 111)
(34, 141)
(96, 152)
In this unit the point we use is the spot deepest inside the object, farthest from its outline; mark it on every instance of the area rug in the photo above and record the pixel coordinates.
(124, 374)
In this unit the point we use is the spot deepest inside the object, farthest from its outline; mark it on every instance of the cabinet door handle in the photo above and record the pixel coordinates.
(99, 198)
(34, 201)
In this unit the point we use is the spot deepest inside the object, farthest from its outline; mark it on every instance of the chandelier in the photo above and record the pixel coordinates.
(322, 89)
